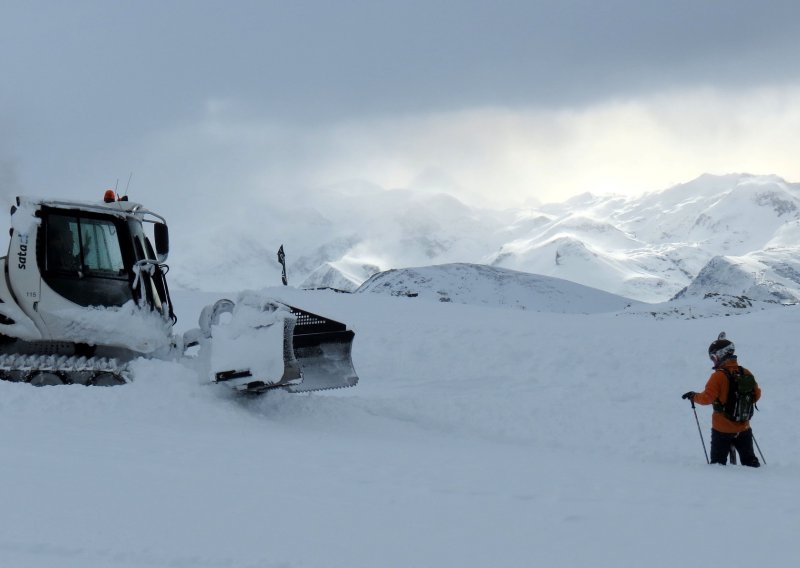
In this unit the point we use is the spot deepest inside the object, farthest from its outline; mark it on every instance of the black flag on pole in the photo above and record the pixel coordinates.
(282, 260)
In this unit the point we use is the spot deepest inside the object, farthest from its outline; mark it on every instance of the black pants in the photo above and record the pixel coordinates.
(743, 442)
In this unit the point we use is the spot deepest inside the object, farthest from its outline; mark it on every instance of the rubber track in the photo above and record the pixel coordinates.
(71, 370)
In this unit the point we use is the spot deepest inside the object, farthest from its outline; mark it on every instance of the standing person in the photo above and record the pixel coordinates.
(733, 391)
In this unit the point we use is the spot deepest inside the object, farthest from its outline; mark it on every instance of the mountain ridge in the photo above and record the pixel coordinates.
(648, 248)
(478, 284)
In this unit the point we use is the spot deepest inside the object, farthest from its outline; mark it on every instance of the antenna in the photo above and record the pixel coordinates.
(129, 184)
(116, 185)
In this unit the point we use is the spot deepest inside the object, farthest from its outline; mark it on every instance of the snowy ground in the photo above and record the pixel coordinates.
(477, 437)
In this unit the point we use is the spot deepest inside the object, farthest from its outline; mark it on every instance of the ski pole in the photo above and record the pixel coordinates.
(696, 419)
(759, 450)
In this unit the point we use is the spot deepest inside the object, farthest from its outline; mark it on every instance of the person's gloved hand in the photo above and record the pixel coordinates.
(689, 395)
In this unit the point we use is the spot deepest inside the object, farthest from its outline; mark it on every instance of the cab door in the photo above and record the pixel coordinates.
(82, 266)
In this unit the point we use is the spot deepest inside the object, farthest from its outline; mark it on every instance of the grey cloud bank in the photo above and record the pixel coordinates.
(92, 90)
(323, 60)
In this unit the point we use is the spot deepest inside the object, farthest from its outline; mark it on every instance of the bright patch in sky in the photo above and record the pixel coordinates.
(491, 156)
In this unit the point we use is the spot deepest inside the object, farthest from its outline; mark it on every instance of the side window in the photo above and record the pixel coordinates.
(100, 244)
(63, 244)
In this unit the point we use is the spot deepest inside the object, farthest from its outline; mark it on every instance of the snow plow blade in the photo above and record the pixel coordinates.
(323, 349)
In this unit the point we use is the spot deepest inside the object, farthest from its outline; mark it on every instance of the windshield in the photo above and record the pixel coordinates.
(100, 246)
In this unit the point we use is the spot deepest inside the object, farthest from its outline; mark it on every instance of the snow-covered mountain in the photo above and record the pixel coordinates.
(490, 286)
(653, 246)
(771, 275)
(648, 248)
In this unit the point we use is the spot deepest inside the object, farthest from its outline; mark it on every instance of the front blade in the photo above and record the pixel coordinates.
(325, 361)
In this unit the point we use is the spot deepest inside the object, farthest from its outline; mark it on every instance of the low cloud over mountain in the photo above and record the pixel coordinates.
(732, 234)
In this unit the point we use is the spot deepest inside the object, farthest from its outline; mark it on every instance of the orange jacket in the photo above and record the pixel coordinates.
(717, 390)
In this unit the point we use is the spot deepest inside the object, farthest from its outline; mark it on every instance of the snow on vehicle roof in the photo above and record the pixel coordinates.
(120, 208)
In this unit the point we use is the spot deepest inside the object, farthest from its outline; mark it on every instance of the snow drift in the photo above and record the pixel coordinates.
(485, 285)
(477, 436)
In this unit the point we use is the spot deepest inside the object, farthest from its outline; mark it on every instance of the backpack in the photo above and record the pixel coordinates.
(741, 401)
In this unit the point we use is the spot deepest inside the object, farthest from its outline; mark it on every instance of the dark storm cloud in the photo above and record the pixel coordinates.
(319, 60)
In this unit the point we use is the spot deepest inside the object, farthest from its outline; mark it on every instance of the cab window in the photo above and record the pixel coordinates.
(63, 244)
(100, 247)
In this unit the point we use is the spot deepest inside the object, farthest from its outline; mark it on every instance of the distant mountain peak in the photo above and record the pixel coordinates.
(649, 247)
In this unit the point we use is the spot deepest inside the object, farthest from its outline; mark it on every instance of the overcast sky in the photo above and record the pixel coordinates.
(496, 102)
